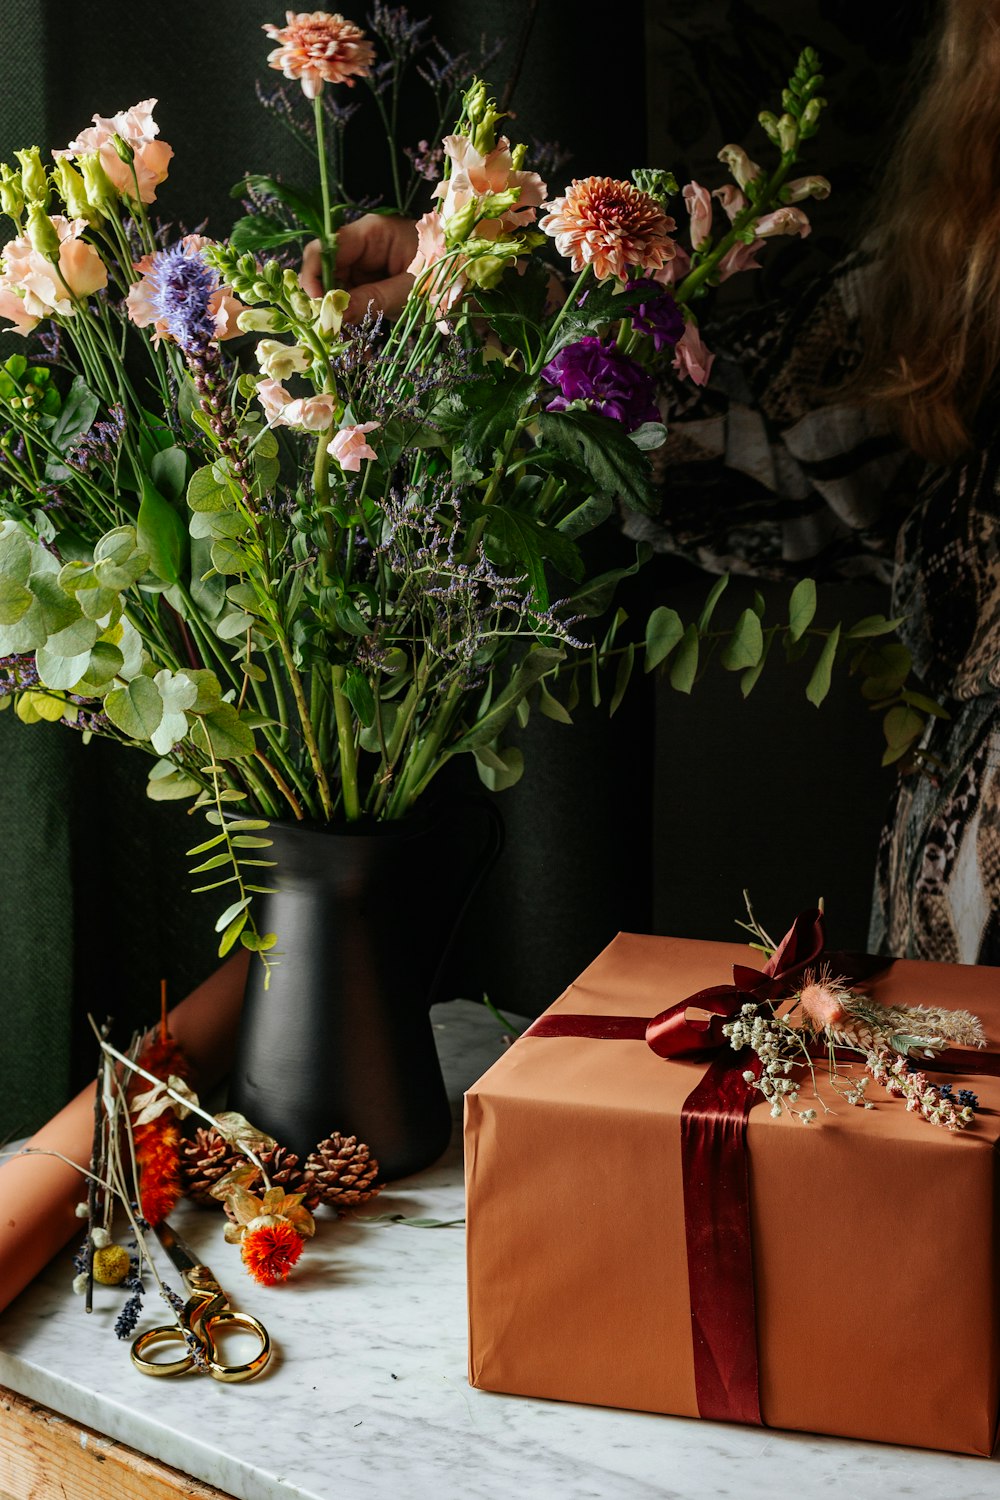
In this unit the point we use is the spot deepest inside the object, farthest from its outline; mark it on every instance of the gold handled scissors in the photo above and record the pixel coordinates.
(205, 1313)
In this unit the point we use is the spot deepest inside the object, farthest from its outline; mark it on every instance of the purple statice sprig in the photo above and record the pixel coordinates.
(605, 379)
(101, 444)
(17, 674)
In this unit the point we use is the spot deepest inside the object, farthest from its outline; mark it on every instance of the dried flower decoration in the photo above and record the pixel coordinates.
(270, 1230)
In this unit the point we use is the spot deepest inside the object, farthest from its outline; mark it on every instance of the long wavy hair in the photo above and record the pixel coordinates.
(932, 330)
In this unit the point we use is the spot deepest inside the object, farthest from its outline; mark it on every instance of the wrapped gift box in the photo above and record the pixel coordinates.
(874, 1233)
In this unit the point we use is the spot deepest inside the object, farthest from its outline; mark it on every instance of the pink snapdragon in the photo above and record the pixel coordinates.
(782, 221)
(692, 360)
(139, 130)
(32, 281)
(742, 168)
(222, 305)
(739, 258)
(731, 198)
(698, 202)
(348, 446)
(282, 409)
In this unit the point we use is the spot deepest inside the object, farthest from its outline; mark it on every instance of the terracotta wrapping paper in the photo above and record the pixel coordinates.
(38, 1194)
(875, 1255)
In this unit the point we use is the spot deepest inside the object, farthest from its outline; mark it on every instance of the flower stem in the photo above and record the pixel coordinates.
(328, 242)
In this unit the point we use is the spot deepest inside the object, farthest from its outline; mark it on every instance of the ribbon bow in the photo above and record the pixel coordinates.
(693, 1027)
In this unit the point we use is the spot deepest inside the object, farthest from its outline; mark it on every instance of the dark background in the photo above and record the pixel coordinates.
(656, 820)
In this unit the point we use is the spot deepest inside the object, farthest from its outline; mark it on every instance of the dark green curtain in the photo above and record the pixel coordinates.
(92, 876)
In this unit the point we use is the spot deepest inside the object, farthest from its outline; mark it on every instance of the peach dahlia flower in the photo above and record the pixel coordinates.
(317, 48)
(610, 225)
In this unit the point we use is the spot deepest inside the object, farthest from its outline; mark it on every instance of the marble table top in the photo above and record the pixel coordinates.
(368, 1396)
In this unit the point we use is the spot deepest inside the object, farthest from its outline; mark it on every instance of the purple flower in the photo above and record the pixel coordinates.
(609, 380)
(181, 285)
(658, 314)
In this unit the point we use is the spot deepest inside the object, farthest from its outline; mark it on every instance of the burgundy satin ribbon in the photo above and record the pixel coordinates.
(714, 1161)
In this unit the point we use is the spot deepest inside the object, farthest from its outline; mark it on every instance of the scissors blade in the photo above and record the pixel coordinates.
(183, 1257)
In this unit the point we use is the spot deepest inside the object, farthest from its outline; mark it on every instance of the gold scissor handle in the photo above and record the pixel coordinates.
(197, 1334)
(248, 1324)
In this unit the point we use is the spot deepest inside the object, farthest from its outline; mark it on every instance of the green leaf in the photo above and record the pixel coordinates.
(136, 709)
(250, 841)
(170, 787)
(819, 683)
(751, 677)
(901, 726)
(350, 618)
(233, 930)
(664, 629)
(499, 769)
(259, 942)
(260, 232)
(359, 695)
(223, 732)
(649, 436)
(872, 625)
(622, 677)
(168, 470)
(229, 558)
(885, 669)
(600, 448)
(15, 554)
(684, 667)
(537, 661)
(497, 406)
(550, 707)
(79, 409)
(745, 645)
(597, 593)
(715, 594)
(586, 517)
(160, 531)
(15, 600)
(212, 843)
(231, 912)
(212, 864)
(925, 704)
(801, 608)
(520, 542)
(297, 199)
(204, 492)
(247, 825)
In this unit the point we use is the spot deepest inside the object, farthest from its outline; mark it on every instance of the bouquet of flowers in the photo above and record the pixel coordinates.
(306, 575)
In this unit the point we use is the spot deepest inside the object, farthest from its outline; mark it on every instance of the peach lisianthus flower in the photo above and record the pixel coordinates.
(139, 129)
(141, 300)
(691, 358)
(348, 446)
(609, 225)
(474, 176)
(34, 281)
(317, 48)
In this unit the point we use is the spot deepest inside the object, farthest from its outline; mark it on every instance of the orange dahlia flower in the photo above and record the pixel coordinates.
(611, 226)
(318, 48)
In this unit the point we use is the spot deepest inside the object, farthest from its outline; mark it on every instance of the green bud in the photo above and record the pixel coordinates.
(247, 265)
(260, 291)
(123, 150)
(33, 179)
(102, 194)
(73, 191)
(301, 304)
(486, 270)
(11, 193)
(286, 280)
(42, 232)
(262, 320)
(810, 117)
(517, 156)
(458, 228)
(769, 124)
(655, 183)
(788, 133)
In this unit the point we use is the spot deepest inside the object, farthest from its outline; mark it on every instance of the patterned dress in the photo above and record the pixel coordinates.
(773, 471)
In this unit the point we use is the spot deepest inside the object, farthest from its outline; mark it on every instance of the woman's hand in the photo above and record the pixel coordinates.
(372, 255)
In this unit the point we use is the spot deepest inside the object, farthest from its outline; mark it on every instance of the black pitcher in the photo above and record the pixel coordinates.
(341, 1039)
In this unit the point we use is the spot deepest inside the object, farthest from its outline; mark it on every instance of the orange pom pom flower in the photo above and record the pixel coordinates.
(270, 1247)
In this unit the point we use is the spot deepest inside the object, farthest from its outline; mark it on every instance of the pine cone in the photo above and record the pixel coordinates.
(208, 1156)
(205, 1158)
(342, 1172)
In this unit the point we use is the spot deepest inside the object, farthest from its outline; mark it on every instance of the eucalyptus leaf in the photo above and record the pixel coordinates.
(664, 629)
(819, 683)
(714, 595)
(160, 531)
(136, 709)
(499, 769)
(801, 608)
(684, 667)
(223, 733)
(745, 645)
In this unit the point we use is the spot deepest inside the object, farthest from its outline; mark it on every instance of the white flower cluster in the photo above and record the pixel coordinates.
(780, 1051)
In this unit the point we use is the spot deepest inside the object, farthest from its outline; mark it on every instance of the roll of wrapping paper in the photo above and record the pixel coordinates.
(39, 1193)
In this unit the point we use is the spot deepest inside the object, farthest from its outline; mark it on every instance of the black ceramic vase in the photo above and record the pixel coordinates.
(341, 1039)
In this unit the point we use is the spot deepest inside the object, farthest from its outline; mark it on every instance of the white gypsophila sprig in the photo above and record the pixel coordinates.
(781, 1049)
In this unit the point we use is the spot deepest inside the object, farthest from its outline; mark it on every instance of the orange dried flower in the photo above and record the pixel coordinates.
(318, 48)
(270, 1246)
(157, 1142)
(610, 225)
(823, 1004)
